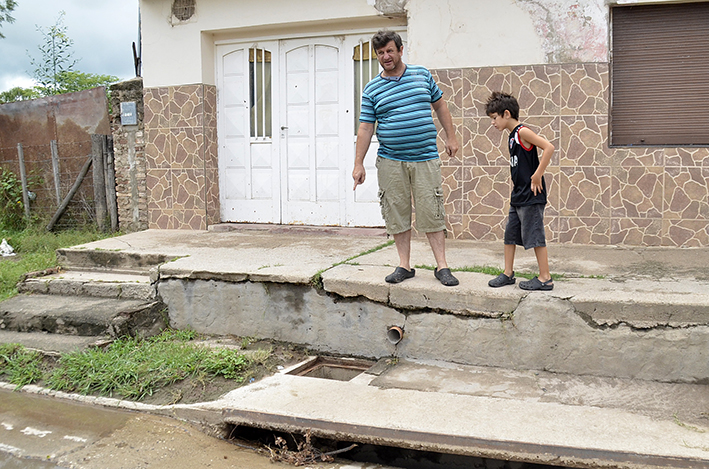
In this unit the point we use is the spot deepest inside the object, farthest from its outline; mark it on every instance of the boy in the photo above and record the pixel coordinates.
(525, 225)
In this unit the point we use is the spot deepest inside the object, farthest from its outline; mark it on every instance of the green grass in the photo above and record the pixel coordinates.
(316, 280)
(36, 250)
(129, 368)
(19, 365)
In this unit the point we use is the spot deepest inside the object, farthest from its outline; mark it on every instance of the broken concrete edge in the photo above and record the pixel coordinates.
(142, 321)
(456, 444)
(78, 258)
(476, 299)
(487, 303)
(586, 312)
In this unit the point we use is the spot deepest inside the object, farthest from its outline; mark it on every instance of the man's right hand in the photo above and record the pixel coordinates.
(358, 174)
(364, 137)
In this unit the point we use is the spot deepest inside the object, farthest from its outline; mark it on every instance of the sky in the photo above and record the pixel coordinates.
(102, 30)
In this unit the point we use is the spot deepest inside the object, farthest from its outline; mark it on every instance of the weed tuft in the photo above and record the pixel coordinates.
(21, 366)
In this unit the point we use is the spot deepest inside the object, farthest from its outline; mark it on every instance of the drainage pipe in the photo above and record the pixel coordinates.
(395, 334)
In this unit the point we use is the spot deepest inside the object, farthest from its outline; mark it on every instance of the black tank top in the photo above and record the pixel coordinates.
(523, 163)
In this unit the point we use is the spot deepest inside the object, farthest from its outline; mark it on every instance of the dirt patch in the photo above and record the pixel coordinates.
(203, 389)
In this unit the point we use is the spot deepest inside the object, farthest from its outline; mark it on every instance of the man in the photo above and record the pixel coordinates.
(399, 100)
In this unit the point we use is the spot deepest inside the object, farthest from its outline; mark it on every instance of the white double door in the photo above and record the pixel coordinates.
(286, 123)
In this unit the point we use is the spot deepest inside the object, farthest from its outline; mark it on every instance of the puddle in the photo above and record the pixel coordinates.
(10, 462)
(339, 369)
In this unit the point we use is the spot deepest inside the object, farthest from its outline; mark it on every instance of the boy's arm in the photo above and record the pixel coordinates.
(529, 137)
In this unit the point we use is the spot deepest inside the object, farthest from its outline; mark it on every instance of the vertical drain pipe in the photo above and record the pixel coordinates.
(395, 334)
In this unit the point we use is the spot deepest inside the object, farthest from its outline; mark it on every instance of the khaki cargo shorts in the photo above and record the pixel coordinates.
(398, 182)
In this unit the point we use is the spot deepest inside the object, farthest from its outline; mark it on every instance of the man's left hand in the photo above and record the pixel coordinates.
(452, 147)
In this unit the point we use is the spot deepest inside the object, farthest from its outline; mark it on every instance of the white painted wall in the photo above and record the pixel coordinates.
(182, 53)
(471, 33)
(441, 33)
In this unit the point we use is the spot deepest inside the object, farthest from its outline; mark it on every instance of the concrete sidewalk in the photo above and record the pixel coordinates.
(610, 369)
(299, 250)
(542, 418)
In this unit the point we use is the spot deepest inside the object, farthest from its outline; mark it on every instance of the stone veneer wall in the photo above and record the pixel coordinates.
(181, 155)
(597, 195)
(129, 153)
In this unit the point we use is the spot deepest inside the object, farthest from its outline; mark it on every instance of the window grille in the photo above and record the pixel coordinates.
(183, 9)
(260, 92)
(366, 67)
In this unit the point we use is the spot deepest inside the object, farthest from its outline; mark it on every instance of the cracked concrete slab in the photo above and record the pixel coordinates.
(623, 312)
(585, 374)
(519, 429)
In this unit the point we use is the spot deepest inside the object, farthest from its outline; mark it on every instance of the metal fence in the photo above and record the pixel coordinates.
(50, 144)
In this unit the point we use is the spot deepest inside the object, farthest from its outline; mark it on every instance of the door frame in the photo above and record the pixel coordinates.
(314, 211)
(351, 211)
(260, 210)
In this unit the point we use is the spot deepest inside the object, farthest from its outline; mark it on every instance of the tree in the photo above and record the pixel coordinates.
(6, 7)
(19, 94)
(55, 70)
(68, 82)
(57, 57)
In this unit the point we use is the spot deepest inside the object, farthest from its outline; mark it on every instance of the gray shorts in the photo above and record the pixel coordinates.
(399, 181)
(525, 226)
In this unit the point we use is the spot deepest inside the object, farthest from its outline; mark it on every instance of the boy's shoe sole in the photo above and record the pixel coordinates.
(502, 280)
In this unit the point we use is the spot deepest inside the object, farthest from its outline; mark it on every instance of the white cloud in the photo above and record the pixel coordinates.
(102, 31)
(12, 81)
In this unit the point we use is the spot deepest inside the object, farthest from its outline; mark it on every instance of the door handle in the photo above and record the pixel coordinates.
(284, 127)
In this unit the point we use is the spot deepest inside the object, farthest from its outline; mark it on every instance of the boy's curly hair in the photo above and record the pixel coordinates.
(499, 102)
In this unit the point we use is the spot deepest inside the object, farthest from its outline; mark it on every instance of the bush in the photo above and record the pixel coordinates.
(11, 206)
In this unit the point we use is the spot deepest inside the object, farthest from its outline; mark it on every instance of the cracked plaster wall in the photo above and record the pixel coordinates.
(479, 33)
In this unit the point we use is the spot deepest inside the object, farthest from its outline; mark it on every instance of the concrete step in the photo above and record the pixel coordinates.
(526, 416)
(639, 329)
(82, 316)
(52, 343)
(85, 257)
(92, 283)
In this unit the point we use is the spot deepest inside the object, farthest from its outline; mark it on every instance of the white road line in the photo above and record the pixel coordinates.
(11, 450)
(29, 431)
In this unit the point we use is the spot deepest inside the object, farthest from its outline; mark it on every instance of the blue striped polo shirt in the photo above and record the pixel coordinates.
(402, 109)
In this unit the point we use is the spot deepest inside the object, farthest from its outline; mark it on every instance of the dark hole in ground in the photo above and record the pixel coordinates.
(292, 444)
(336, 368)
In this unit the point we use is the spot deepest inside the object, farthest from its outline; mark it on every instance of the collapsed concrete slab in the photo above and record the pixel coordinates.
(516, 330)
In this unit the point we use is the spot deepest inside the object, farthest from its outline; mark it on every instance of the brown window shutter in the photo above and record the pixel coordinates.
(660, 75)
